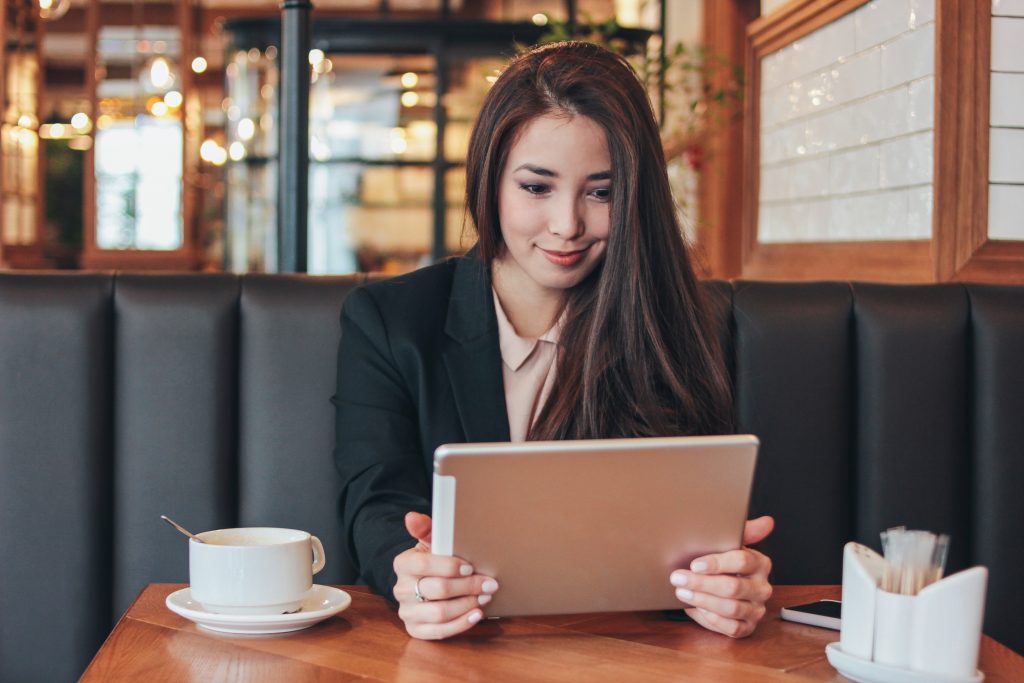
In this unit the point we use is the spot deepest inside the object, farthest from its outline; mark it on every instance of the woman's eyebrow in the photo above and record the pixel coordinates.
(540, 170)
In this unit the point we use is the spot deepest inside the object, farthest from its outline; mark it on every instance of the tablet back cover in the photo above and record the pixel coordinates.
(590, 526)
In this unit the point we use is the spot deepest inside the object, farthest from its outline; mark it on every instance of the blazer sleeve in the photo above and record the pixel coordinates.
(377, 448)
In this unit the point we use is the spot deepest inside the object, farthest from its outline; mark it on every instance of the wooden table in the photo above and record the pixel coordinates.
(368, 643)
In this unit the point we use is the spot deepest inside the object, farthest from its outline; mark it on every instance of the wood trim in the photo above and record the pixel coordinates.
(795, 20)
(751, 148)
(137, 259)
(995, 261)
(963, 85)
(720, 225)
(890, 261)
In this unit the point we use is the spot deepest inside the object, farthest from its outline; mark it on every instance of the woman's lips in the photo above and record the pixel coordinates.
(564, 258)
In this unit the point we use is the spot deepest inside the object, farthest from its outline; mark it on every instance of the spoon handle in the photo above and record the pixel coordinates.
(181, 528)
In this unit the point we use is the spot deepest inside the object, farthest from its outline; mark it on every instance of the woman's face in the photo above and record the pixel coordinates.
(554, 202)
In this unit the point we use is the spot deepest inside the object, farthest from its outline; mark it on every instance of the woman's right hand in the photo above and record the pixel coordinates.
(451, 593)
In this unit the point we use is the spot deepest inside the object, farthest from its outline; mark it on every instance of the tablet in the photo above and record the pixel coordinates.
(590, 526)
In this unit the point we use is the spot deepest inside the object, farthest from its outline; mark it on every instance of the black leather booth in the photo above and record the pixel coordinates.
(206, 398)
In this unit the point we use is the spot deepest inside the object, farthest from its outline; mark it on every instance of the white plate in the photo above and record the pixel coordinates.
(320, 603)
(863, 671)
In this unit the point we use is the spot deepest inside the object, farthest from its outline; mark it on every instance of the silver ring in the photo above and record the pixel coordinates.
(416, 589)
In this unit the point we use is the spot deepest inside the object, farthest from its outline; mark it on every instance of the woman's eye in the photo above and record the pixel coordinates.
(602, 193)
(534, 188)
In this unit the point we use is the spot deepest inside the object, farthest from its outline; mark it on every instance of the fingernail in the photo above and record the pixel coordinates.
(484, 599)
(699, 566)
(679, 579)
(684, 593)
(466, 569)
(475, 616)
(489, 586)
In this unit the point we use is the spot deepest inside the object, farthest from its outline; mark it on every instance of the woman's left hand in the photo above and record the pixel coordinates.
(726, 592)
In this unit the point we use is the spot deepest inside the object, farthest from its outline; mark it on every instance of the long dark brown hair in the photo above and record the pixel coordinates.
(638, 352)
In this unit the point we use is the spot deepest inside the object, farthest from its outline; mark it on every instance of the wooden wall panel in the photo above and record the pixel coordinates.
(720, 226)
(959, 248)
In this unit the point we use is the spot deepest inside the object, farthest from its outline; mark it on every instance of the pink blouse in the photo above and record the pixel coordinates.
(528, 370)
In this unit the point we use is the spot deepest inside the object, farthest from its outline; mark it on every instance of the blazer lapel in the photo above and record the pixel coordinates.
(472, 356)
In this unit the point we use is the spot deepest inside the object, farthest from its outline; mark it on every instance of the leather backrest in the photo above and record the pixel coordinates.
(175, 421)
(207, 398)
(793, 386)
(56, 371)
(913, 393)
(996, 478)
(289, 345)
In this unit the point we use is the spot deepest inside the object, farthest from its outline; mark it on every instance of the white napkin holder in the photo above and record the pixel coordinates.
(937, 631)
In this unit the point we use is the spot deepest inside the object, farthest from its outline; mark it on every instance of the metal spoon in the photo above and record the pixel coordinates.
(181, 528)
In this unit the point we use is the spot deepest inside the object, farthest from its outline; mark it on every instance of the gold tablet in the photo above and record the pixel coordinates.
(590, 526)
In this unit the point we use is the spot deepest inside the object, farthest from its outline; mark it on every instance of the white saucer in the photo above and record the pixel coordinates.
(863, 671)
(320, 603)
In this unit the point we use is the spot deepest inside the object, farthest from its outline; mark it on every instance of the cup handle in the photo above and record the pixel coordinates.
(319, 557)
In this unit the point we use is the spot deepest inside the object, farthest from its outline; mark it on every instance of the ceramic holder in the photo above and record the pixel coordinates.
(937, 631)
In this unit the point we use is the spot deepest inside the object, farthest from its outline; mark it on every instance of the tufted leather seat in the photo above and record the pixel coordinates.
(206, 397)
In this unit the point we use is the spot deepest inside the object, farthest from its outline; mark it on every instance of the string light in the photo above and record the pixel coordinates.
(80, 122)
(246, 129)
(236, 151)
(173, 99)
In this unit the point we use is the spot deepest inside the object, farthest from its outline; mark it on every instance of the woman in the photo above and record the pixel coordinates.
(576, 316)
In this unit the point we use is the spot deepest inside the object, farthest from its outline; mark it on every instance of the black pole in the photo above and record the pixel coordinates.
(293, 144)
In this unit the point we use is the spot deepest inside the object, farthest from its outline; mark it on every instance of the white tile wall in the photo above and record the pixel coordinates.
(854, 171)
(846, 128)
(1006, 132)
(919, 213)
(808, 178)
(874, 216)
(883, 116)
(906, 161)
(825, 46)
(1007, 42)
(921, 108)
(1008, 8)
(921, 12)
(1008, 100)
(861, 75)
(877, 22)
(1006, 212)
(1006, 155)
(908, 57)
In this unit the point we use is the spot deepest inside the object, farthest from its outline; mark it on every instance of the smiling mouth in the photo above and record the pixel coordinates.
(565, 258)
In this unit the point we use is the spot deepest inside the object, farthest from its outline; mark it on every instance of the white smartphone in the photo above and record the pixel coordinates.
(823, 613)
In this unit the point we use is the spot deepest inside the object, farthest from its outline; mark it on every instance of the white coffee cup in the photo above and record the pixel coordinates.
(254, 570)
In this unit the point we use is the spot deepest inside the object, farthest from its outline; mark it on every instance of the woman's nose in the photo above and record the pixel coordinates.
(566, 220)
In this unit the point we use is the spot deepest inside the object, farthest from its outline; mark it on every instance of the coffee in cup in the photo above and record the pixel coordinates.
(254, 570)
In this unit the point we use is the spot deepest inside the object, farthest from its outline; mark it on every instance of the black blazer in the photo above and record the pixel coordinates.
(419, 365)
